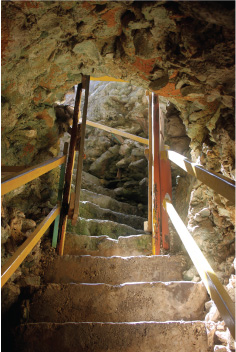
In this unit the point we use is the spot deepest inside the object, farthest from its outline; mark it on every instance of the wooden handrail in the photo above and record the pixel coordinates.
(219, 183)
(14, 262)
(69, 170)
(107, 79)
(214, 287)
(18, 179)
(150, 153)
(118, 132)
(78, 179)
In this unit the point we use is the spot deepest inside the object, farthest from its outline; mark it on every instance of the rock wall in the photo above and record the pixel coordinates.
(182, 50)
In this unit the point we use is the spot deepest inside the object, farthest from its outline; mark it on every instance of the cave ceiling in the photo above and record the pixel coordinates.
(184, 51)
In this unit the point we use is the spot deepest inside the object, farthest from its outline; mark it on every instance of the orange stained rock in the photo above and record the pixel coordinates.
(44, 115)
(88, 5)
(29, 4)
(28, 149)
(110, 17)
(177, 17)
(54, 77)
(145, 66)
(211, 106)
(174, 74)
(37, 97)
(170, 91)
(5, 37)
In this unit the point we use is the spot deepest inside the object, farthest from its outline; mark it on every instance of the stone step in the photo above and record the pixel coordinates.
(92, 183)
(114, 270)
(106, 247)
(107, 202)
(113, 337)
(89, 210)
(150, 301)
(95, 227)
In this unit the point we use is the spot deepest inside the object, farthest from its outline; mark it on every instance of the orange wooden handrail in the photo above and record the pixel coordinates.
(214, 287)
(118, 132)
(21, 178)
(219, 183)
(14, 262)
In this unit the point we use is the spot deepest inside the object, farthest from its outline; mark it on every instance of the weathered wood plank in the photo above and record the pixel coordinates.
(81, 154)
(21, 178)
(118, 132)
(219, 183)
(69, 171)
(59, 198)
(14, 262)
(149, 228)
(156, 189)
(107, 79)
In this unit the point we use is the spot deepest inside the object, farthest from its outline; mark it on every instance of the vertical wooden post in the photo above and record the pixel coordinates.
(156, 191)
(166, 187)
(81, 155)
(150, 163)
(69, 171)
(59, 198)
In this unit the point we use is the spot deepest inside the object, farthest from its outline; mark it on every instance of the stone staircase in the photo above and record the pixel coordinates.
(111, 294)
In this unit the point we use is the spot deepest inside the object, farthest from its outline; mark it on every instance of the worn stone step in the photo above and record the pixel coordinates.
(112, 337)
(114, 270)
(96, 227)
(150, 301)
(89, 210)
(92, 183)
(107, 202)
(106, 247)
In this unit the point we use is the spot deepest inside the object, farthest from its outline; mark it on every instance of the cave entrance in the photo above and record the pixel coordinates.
(157, 217)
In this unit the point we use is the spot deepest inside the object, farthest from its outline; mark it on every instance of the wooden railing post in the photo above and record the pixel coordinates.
(78, 180)
(156, 190)
(69, 171)
(166, 184)
(59, 198)
(149, 224)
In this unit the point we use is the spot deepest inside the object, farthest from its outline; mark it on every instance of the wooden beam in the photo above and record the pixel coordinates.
(21, 178)
(166, 185)
(219, 183)
(118, 132)
(78, 180)
(14, 262)
(156, 190)
(149, 227)
(69, 171)
(59, 198)
(107, 79)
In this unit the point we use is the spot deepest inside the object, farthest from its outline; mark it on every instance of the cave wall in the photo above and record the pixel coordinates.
(184, 51)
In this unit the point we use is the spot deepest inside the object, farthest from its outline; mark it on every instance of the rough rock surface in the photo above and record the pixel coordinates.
(182, 50)
(74, 268)
(127, 302)
(106, 246)
(112, 337)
